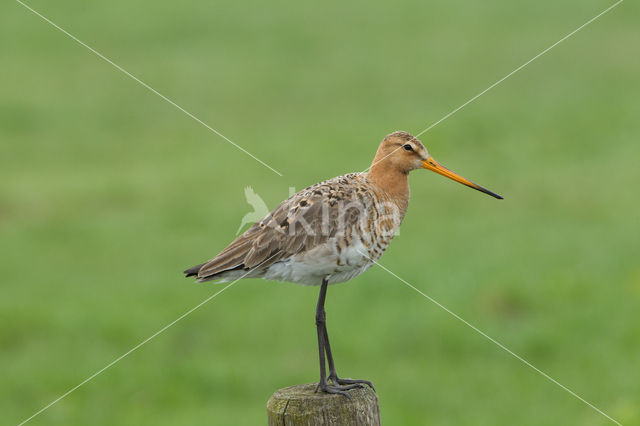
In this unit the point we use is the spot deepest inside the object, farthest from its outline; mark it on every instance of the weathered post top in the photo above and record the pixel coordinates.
(300, 405)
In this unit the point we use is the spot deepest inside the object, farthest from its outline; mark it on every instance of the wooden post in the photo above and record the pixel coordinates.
(299, 405)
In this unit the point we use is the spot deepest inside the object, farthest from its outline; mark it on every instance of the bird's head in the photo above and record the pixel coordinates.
(403, 152)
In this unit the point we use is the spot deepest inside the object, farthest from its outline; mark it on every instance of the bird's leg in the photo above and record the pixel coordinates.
(333, 374)
(323, 345)
(320, 321)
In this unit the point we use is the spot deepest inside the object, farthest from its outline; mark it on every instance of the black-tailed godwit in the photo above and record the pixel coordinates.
(329, 233)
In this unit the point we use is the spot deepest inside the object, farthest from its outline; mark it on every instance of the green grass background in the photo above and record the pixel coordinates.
(108, 192)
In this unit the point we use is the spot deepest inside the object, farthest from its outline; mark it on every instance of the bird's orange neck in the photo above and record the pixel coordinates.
(389, 178)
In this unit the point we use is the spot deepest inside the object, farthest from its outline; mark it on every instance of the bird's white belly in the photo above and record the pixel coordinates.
(311, 267)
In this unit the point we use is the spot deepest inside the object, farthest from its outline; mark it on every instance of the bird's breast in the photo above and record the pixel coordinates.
(355, 233)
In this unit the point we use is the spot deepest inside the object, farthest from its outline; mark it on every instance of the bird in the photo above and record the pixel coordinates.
(260, 208)
(329, 233)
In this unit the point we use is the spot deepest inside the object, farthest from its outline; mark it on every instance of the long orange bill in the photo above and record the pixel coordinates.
(434, 166)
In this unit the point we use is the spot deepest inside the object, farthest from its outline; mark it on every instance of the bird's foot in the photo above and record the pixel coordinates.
(337, 388)
(357, 382)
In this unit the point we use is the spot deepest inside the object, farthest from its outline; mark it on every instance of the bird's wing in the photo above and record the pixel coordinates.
(295, 226)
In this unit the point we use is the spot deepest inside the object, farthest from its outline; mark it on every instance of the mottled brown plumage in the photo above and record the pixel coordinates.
(327, 220)
(330, 232)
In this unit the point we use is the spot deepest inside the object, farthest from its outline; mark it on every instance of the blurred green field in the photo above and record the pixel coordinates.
(107, 193)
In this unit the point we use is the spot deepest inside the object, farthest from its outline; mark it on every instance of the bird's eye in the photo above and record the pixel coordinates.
(408, 147)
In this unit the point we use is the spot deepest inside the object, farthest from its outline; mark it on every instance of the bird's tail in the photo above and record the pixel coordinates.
(193, 270)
